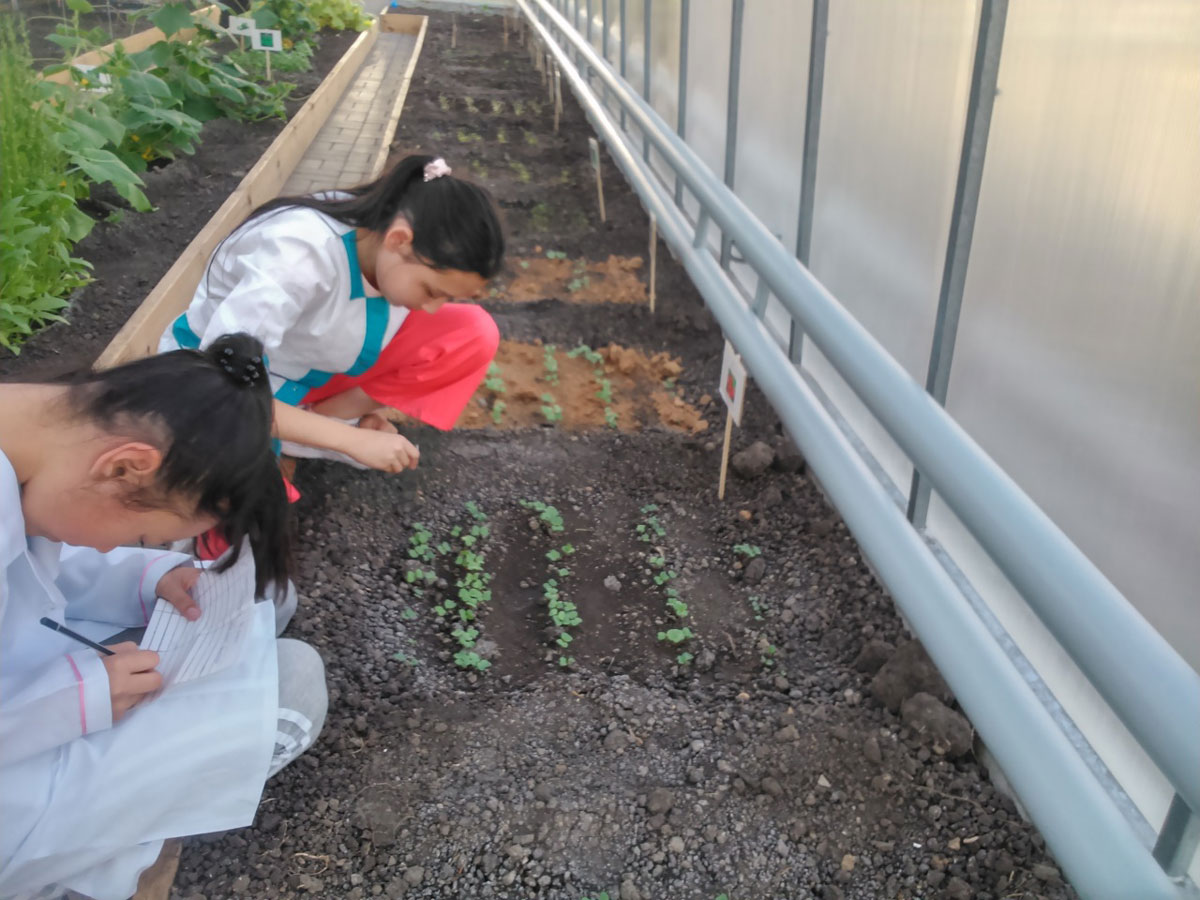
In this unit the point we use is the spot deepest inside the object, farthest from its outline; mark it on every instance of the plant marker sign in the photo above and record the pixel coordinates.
(241, 27)
(733, 391)
(268, 40)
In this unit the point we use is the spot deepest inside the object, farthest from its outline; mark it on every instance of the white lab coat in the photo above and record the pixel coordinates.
(85, 804)
(291, 279)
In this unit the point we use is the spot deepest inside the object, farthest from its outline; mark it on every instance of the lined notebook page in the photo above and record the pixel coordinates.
(191, 650)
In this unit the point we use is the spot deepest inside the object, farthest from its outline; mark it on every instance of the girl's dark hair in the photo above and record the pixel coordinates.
(209, 413)
(455, 223)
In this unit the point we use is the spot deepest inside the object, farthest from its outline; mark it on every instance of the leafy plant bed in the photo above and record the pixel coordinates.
(547, 385)
(616, 279)
(747, 755)
(130, 252)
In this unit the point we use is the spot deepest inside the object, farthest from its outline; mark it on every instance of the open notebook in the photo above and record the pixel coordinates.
(191, 650)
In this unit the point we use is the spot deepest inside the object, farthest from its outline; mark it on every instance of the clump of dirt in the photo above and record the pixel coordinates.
(613, 280)
(534, 384)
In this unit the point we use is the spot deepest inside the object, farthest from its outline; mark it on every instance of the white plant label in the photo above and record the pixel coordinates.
(268, 39)
(594, 152)
(241, 25)
(733, 383)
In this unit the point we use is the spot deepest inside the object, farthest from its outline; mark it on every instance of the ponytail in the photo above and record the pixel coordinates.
(209, 414)
(455, 223)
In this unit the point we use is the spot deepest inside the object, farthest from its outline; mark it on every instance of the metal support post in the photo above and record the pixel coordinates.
(992, 15)
(1179, 838)
(647, 30)
(681, 104)
(624, 53)
(731, 113)
(812, 138)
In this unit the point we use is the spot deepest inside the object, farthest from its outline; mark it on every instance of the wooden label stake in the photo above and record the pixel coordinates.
(594, 153)
(558, 104)
(453, 32)
(733, 391)
(725, 454)
(267, 54)
(653, 260)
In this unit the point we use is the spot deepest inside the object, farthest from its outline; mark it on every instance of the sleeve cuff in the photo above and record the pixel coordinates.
(95, 700)
(156, 567)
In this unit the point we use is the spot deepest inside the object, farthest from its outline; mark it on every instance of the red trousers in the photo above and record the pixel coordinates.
(430, 369)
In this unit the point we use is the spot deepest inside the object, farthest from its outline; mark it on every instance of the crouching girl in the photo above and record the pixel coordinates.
(98, 763)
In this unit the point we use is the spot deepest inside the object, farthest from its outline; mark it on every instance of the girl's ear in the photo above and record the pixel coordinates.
(132, 465)
(399, 236)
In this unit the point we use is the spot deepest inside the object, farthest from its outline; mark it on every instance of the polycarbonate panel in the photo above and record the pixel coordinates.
(776, 42)
(1076, 366)
(897, 76)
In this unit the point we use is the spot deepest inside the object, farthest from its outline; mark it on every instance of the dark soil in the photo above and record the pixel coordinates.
(763, 767)
(131, 254)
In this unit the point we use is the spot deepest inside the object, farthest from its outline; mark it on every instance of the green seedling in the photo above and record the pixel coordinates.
(663, 577)
(465, 636)
(548, 515)
(757, 607)
(444, 102)
(768, 656)
(524, 264)
(605, 392)
(469, 659)
(550, 363)
(401, 656)
(610, 417)
(748, 550)
(531, 139)
(498, 411)
(578, 283)
(501, 135)
(497, 107)
(684, 658)
(678, 607)
(675, 635)
(468, 137)
(470, 104)
(649, 508)
(408, 614)
(565, 661)
(556, 254)
(493, 382)
(519, 107)
(521, 171)
(568, 549)
(551, 411)
(554, 555)
(564, 640)
(657, 562)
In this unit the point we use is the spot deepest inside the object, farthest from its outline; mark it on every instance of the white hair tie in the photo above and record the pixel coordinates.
(436, 169)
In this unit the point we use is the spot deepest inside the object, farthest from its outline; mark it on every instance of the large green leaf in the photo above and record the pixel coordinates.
(103, 166)
(172, 17)
(145, 84)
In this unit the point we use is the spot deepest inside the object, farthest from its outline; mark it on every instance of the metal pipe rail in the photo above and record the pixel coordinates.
(1154, 692)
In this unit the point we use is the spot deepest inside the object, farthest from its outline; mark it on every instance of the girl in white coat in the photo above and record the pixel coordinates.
(96, 770)
(350, 292)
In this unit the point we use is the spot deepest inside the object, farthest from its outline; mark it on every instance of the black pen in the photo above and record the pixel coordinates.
(63, 629)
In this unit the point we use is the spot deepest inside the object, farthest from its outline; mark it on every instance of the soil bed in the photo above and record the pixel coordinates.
(763, 766)
(130, 255)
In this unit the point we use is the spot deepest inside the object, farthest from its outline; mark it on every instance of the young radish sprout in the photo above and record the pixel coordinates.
(647, 530)
(564, 615)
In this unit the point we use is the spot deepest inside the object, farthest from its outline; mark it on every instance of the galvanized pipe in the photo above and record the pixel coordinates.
(1091, 839)
(1142, 678)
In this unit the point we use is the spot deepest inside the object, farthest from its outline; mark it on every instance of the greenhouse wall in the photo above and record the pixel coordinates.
(1075, 365)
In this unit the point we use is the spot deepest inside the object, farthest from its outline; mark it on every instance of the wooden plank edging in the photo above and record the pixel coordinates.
(400, 23)
(135, 43)
(139, 335)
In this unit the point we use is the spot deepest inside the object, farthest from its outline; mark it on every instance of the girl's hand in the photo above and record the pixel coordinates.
(131, 676)
(176, 588)
(383, 450)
